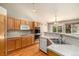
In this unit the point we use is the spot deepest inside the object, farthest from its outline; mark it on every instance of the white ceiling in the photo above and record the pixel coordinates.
(45, 11)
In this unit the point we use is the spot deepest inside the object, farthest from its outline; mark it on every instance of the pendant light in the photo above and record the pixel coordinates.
(56, 19)
(34, 8)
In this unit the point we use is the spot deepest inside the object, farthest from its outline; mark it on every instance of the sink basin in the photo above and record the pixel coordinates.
(56, 41)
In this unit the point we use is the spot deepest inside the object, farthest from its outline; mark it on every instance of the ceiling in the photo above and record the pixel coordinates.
(45, 12)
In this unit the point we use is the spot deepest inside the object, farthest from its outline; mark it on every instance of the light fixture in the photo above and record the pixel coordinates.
(55, 17)
(34, 8)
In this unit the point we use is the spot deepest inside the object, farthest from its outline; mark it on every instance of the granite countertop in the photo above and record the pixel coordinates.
(10, 36)
(74, 35)
(71, 35)
(65, 49)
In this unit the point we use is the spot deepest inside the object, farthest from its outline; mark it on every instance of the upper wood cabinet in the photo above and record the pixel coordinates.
(10, 23)
(24, 22)
(14, 24)
(17, 24)
(31, 25)
(36, 24)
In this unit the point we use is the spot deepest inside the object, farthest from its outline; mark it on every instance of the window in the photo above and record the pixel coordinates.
(59, 28)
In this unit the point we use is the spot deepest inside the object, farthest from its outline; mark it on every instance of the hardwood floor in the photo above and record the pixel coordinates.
(32, 50)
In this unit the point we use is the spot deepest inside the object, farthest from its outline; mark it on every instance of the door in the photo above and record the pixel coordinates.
(43, 44)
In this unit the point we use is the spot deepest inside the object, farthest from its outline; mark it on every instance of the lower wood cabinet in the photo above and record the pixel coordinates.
(24, 41)
(18, 42)
(2, 47)
(11, 44)
(27, 40)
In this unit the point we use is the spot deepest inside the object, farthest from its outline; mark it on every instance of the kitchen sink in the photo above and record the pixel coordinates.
(57, 41)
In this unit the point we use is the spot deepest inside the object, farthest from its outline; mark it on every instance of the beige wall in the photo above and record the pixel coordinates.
(3, 11)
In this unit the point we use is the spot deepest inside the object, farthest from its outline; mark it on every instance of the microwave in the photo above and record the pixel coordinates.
(24, 27)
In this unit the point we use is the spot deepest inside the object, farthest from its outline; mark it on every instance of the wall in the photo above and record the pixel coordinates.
(43, 27)
(3, 11)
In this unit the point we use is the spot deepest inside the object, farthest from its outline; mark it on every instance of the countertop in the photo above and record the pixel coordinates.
(19, 36)
(65, 49)
(74, 35)
(71, 35)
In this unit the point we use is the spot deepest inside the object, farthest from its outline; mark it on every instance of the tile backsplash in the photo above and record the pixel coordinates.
(17, 33)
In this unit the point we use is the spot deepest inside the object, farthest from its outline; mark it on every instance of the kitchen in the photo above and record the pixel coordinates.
(38, 26)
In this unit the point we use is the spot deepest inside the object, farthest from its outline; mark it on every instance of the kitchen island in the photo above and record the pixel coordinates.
(64, 50)
(69, 49)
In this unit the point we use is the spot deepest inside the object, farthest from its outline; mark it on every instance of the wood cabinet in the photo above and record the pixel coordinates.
(2, 40)
(18, 42)
(17, 24)
(14, 24)
(10, 23)
(24, 22)
(36, 24)
(27, 40)
(14, 43)
(24, 41)
(11, 44)
(2, 47)
(2, 18)
(31, 25)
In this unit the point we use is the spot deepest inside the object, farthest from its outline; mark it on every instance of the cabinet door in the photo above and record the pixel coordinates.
(23, 22)
(10, 23)
(18, 43)
(36, 24)
(29, 40)
(17, 24)
(11, 44)
(2, 24)
(2, 48)
(31, 25)
(24, 41)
